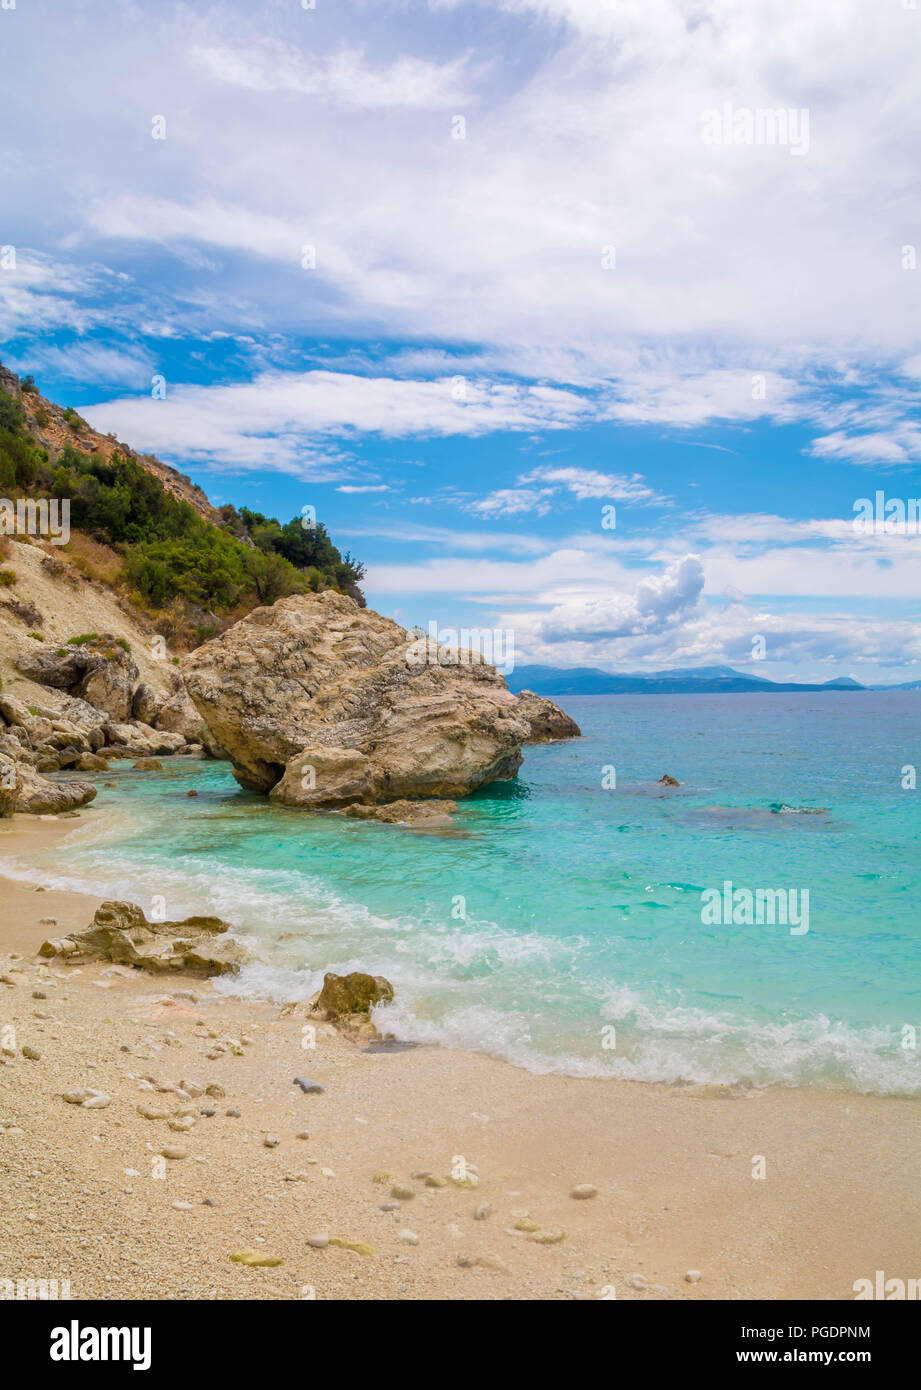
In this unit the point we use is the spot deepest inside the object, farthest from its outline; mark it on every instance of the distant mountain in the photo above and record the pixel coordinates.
(587, 680)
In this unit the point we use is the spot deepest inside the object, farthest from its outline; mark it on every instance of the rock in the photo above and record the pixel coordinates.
(525, 1225)
(637, 1281)
(192, 792)
(58, 946)
(120, 932)
(409, 1237)
(310, 1088)
(215, 1091)
(546, 720)
(546, 1237)
(173, 1151)
(145, 704)
(434, 1180)
(34, 795)
(150, 1112)
(97, 1101)
(355, 993)
(233, 1114)
(402, 1193)
(91, 762)
(584, 1191)
(31, 1055)
(177, 714)
(318, 1242)
(148, 765)
(100, 672)
(383, 1178)
(182, 1206)
(316, 681)
(302, 1135)
(432, 813)
(271, 1141)
(256, 1259)
(693, 1276)
(482, 1211)
(667, 781)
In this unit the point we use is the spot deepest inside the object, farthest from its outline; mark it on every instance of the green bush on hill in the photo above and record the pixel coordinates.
(170, 551)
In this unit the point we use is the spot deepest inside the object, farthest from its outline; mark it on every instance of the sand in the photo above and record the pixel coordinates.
(82, 1200)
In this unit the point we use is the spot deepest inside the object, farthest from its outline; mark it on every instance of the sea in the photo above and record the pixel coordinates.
(757, 924)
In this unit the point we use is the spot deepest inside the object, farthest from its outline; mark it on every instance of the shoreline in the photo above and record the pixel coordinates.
(673, 1166)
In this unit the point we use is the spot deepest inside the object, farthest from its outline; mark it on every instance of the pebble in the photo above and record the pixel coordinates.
(693, 1276)
(303, 1134)
(389, 1206)
(97, 1101)
(547, 1237)
(384, 1176)
(319, 1242)
(402, 1192)
(270, 1141)
(39, 994)
(182, 1126)
(409, 1238)
(526, 1224)
(216, 1092)
(433, 1180)
(31, 1054)
(358, 1246)
(584, 1191)
(173, 1151)
(310, 1088)
(150, 1112)
(234, 1114)
(636, 1281)
(482, 1211)
(182, 1206)
(208, 1202)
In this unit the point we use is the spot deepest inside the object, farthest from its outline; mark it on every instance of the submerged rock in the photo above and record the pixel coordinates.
(547, 721)
(120, 932)
(405, 812)
(340, 704)
(667, 781)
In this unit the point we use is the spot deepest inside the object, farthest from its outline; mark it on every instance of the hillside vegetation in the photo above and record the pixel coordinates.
(145, 529)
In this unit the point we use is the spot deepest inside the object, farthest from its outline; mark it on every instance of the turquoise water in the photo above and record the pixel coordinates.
(559, 924)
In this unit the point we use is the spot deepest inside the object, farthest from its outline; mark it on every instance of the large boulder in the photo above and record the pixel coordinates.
(177, 714)
(546, 719)
(378, 714)
(120, 932)
(24, 789)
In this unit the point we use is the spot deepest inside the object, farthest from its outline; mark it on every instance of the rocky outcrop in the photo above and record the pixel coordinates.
(546, 719)
(120, 932)
(25, 790)
(324, 703)
(357, 993)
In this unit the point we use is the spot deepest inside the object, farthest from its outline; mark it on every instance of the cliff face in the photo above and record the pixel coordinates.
(322, 703)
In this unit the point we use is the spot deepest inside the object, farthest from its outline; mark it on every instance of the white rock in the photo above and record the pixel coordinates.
(693, 1276)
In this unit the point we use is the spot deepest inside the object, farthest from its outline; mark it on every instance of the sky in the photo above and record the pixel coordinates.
(591, 321)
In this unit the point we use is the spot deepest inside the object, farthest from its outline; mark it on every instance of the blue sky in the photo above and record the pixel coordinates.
(461, 351)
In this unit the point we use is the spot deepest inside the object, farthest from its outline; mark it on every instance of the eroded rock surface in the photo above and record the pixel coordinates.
(120, 932)
(547, 720)
(324, 703)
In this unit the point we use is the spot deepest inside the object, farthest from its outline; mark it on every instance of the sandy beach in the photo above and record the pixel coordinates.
(87, 1196)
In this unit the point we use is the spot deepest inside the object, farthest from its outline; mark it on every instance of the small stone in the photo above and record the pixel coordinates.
(526, 1225)
(319, 1242)
(183, 1125)
(409, 1238)
(389, 1206)
(303, 1134)
(547, 1237)
(310, 1088)
(636, 1281)
(76, 1097)
(181, 1206)
(433, 1180)
(584, 1191)
(234, 1114)
(208, 1202)
(402, 1192)
(150, 1112)
(256, 1258)
(215, 1091)
(31, 1054)
(270, 1141)
(693, 1276)
(482, 1211)
(173, 1151)
(39, 994)
(97, 1101)
(358, 1246)
(383, 1177)
(466, 1261)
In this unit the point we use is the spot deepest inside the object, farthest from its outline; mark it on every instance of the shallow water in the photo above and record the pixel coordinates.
(559, 924)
